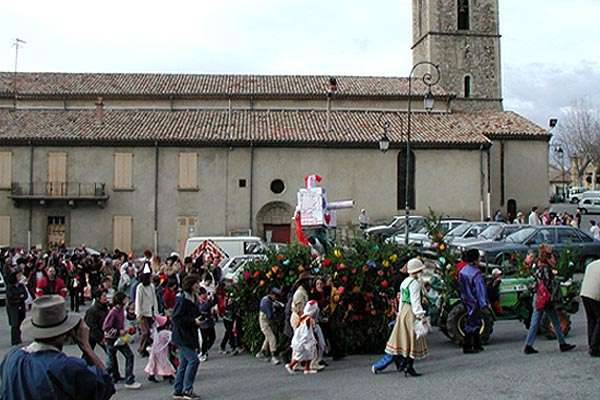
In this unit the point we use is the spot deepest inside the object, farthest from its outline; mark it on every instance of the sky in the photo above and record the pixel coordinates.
(550, 51)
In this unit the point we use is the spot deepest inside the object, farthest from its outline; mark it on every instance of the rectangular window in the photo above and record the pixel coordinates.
(188, 171)
(122, 232)
(57, 174)
(4, 230)
(123, 171)
(5, 169)
(186, 227)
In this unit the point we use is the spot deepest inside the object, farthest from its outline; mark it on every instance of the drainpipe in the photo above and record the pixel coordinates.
(156, 152)
(29, 229)
(489, 184)
(481, 183)
(251, 219)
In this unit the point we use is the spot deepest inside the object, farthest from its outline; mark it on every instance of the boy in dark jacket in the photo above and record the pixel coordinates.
(186, 321)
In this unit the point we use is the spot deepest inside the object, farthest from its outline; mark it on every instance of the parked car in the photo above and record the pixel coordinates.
(421, 236)
(575, 194)
(493, 233)
(465, 230)
(396, 225)
(500, 254)
(589, 205)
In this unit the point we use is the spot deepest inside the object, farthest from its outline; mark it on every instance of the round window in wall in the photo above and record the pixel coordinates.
(277, 186)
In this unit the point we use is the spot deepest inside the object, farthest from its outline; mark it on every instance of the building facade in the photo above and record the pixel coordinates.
(135, 161)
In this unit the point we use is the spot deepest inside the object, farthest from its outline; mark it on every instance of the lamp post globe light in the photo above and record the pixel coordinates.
(430, 79)
(384, 141)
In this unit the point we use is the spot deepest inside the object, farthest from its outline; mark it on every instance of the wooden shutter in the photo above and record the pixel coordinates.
(4, 231)
(188, 171)
(5, 169)
(123, 171)
(183, 232)
(57, 174)
(122, 232)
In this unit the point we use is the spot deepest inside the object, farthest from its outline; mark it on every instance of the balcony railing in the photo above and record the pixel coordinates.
(71, 192)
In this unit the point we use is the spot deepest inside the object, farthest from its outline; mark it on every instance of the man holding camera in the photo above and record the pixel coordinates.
(42, 371)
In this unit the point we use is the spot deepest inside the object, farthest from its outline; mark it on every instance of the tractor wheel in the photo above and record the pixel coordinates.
(547, 329)
(457, 319)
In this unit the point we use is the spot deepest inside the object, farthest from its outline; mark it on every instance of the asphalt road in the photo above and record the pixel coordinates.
(501, 372)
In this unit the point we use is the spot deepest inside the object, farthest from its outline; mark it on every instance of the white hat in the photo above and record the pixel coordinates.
(311, 308)
(496, 271)
(415, 265)
(146, 269)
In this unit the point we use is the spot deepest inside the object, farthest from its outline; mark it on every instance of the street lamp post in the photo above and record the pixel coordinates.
(429, 80)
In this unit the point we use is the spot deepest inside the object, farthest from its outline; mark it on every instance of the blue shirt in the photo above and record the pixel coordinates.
(472, 287)
(48, 374)
(266, 306)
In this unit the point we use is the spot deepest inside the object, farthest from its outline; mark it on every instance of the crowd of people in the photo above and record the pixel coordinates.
(546, 216)
(170, 308)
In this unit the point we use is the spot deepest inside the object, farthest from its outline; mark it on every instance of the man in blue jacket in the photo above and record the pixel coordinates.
(474, 296)
(42, 371)
(186, 321)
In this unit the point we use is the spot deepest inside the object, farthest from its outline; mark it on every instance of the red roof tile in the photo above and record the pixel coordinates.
(302, 128)
(45, 84)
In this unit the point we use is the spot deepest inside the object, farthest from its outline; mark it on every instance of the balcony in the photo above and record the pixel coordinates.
(69, 193)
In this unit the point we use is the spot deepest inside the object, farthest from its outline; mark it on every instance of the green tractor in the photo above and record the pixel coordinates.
(516, 297)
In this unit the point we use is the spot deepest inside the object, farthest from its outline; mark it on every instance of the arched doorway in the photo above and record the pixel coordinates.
(274, 222)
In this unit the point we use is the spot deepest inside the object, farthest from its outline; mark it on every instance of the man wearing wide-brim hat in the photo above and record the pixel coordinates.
(42, 371)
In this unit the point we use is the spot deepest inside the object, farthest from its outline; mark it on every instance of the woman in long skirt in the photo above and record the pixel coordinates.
(403, 346)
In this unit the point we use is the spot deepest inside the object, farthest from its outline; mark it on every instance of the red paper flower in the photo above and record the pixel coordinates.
(246, 275)
(326, 262)
(344, 279)
(384, 283)
(341, 290)
(353, 271)
(256, 274)
(380, 272)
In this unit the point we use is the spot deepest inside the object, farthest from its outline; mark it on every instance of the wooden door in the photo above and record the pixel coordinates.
(57, 231)
(57, 174)
(277, 233)
(122, 232)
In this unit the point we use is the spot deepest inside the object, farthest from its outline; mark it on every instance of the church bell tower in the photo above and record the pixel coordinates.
(463, 37)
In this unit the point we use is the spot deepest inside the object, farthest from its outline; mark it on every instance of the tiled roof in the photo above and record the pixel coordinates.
(47, 84)
(283, 128)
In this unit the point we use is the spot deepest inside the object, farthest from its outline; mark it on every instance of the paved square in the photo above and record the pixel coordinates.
(501, 372)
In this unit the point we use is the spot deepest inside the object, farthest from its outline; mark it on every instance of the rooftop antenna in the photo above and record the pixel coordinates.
(16, 44)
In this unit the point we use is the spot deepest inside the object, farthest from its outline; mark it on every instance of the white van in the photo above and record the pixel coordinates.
(231, 245)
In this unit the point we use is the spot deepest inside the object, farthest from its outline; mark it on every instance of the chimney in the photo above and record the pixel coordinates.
(99, 110)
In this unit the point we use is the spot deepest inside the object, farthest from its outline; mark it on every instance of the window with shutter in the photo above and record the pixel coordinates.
(188, 171)
(4, 230)
(123, 171)
(122, 232)
(5, 169)
(57, 174)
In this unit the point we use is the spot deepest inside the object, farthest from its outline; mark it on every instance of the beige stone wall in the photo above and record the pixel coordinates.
(446, 180)
(526, 168)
